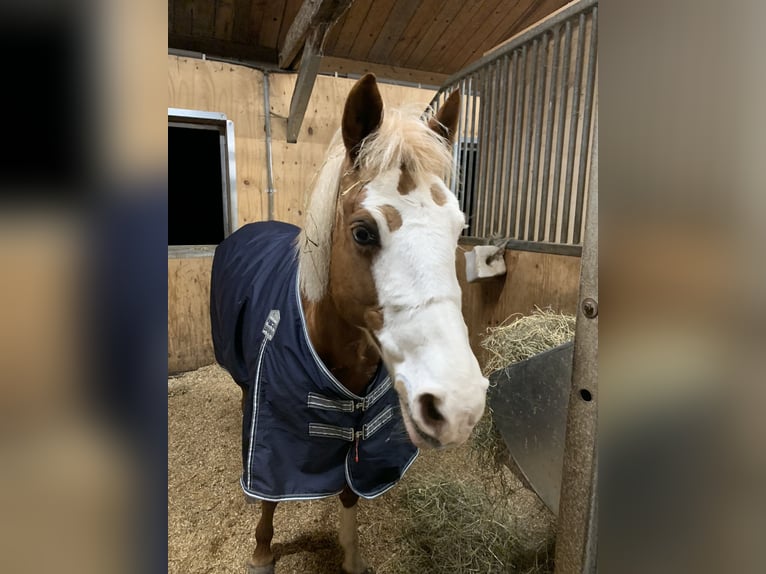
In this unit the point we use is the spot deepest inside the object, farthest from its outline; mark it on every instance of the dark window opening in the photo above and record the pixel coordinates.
(195, 186)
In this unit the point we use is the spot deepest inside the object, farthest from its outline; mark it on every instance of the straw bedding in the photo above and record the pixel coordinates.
(448, 514)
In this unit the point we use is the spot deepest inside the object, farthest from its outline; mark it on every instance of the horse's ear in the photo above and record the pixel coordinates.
(444, 122)
(362, 114)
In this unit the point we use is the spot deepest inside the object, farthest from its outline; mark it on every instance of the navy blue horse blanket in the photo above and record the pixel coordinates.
(304, 435)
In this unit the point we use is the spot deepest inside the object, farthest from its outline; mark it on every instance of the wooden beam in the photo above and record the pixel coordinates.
(344, 67)
(223, 48)
(313, 13)
(307, 75)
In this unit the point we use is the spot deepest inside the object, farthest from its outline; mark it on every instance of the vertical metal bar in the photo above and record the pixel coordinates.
(577, 529)
(585, 137)
(516, 168)
(471, 177)
(497, 155)
(490, 150)
(269, 168)
(486, 114)
(540, 85)
(231, 178)
(479, 97)
(456, 145)
(576, 83)
(505, 211)
(493, 125)
(501, 185)
(481, 194)
(466, 142)
(493, 147)
(225, 182)
(563, 97)
(527, 147)
(442, 97)
(548, 136)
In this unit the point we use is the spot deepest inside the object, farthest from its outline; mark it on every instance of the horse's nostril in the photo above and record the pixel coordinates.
(429, 410)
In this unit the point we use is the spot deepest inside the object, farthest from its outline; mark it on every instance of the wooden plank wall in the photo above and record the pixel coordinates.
(237, 91)
(189, 342)
(533, 278)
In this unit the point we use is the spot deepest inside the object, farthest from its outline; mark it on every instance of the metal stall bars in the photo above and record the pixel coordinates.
(522, 155)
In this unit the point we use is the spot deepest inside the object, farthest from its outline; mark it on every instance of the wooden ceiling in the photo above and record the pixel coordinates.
(435, 36)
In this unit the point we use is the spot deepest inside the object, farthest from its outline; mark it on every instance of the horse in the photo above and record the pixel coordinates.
(347, 336)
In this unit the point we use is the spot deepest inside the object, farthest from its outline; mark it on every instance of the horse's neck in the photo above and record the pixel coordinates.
(345, 349)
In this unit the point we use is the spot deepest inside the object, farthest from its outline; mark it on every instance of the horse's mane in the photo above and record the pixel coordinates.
(402, 140)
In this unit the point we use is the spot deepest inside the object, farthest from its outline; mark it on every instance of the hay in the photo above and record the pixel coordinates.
(525, 337)
(453, 513)
(519, 337)
(212, 529)
(458, 527)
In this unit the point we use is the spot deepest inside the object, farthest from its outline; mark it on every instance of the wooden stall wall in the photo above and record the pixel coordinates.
(237, 91)
(189, 342)
(533, 280)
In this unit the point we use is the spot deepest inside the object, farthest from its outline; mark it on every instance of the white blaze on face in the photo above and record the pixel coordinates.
(424, 339)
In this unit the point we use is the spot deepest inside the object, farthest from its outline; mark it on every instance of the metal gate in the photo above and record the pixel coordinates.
(522, 154)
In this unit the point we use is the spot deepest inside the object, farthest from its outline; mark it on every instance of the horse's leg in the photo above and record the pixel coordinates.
(262, 561)
(353, 563)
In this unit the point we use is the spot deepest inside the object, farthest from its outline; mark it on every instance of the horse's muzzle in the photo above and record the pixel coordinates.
(433, 420)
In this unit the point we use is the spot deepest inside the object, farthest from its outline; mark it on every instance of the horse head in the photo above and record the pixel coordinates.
(380, 240)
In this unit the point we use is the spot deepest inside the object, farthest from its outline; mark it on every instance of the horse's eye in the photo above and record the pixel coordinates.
(364, 236)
